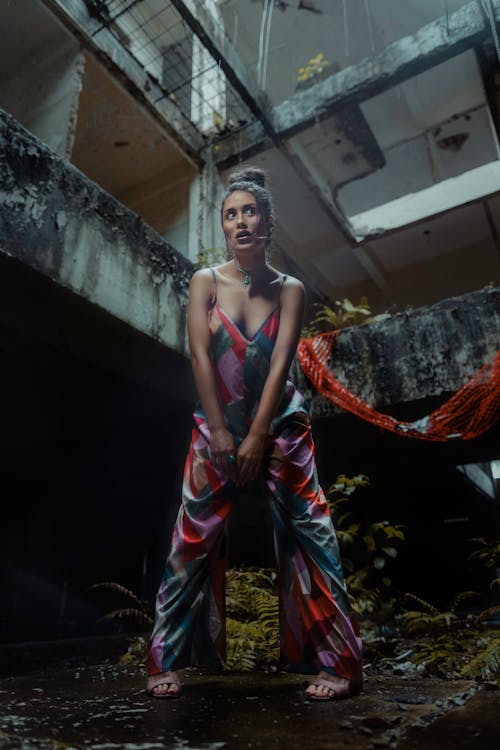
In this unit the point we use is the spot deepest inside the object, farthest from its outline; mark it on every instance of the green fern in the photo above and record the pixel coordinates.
(438, 654)
(345, 314)
(130, 615)
(139, 614)
(488, 553)
(211, 257)
(429, 619)
(252, 625)
(367, 548)
(487, 662)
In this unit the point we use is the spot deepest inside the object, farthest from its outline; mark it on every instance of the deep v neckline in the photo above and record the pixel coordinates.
(240, 332)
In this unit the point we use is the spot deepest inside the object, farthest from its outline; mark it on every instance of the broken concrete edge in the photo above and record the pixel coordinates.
(60, 223)
(83, 22)
(417, 354)
(403, 59)
(442, 708)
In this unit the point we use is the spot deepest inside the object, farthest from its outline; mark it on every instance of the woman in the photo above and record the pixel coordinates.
(244, 321)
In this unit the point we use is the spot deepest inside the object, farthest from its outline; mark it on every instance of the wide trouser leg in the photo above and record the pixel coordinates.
(317, 629)
(190, 614)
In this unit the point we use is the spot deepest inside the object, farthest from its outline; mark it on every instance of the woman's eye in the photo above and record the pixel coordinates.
(230, 215)
(250, 210)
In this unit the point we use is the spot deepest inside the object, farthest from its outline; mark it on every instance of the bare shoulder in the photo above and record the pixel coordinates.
(201, 286)
(293, 288)
(201, 277)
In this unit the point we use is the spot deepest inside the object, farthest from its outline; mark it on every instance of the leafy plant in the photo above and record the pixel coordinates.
(252, 625)
(314, 67)
(486, 663)
(438, 653)
(211, 257)
(366, 548)
(488, 553)
(344, 314)
(138, 613)
(450, 642)
(428, 619)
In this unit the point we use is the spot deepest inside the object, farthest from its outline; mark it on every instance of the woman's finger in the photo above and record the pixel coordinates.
(247, 471)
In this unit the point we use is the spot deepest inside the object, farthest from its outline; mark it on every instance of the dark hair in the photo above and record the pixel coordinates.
(253, 180)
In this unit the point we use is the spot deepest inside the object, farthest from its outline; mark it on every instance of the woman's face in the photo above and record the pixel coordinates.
(245, 228)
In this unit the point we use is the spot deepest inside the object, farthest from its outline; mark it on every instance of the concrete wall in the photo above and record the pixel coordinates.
(122, 148)
(59, 223)
(43, 93)
(415, 355)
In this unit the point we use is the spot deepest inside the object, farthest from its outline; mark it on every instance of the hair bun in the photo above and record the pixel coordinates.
(252, 174)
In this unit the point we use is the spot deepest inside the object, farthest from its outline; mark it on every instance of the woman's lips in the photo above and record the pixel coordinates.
(243, 236)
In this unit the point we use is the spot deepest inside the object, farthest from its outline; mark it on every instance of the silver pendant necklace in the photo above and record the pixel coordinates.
(247, 274)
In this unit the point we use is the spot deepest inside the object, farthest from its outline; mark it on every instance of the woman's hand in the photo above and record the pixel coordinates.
(249, 458)
(221, 449)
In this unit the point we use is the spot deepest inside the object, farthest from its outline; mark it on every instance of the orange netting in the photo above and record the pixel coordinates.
(468, 413)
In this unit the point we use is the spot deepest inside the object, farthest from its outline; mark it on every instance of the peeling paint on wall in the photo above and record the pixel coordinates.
(60, 223)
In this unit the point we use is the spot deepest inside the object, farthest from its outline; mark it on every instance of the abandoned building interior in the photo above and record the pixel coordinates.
(378, 125)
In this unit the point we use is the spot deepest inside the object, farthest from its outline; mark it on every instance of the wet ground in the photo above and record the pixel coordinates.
(105, 707)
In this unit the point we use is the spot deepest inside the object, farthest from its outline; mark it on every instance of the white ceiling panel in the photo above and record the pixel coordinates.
(465, 226)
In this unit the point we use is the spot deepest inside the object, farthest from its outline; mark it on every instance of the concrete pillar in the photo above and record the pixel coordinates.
(205, 230)
(43, 94)
(208, 89)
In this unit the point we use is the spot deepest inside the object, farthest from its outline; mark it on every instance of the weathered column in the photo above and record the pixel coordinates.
(205, 231)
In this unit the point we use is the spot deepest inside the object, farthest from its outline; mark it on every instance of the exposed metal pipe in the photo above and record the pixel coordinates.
(266, 47)
(346, 29)
(370, 25)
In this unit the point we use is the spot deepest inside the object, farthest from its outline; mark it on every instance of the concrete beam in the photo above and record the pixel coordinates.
(433, 44)
(414, 355)
(34, 310)
(307, 169)
(123, 66)
(470, 187)
(62, 225)
(217, 43)
(214, 39)
(369, 262)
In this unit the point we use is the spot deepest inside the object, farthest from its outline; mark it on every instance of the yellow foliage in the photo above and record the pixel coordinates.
(252, 626)
(345, 314)
(314, 67)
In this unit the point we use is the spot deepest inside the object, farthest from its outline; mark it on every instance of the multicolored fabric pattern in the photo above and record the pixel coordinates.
(317, 631)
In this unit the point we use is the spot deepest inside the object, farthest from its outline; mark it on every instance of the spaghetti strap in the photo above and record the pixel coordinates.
(214, 277)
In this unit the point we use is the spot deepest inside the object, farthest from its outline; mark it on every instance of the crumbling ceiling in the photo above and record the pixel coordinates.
(402, 99)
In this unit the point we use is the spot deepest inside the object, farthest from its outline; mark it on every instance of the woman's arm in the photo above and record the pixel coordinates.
(221, 440)
(251, 450)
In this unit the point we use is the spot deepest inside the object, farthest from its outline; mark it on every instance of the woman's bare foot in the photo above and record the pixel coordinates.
(164, 685)
(340, 687)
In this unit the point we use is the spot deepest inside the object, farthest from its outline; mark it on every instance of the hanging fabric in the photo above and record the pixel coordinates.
(470, 412)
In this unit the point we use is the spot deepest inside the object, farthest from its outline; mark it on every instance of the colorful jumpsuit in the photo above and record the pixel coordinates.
(316, 630)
